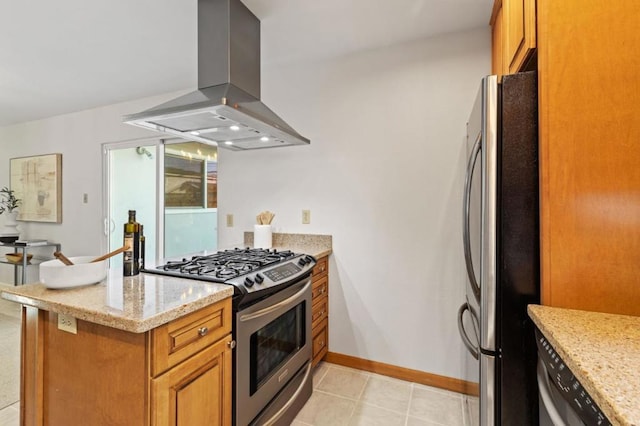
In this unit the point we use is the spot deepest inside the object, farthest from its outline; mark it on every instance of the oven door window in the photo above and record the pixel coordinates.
(275, 343)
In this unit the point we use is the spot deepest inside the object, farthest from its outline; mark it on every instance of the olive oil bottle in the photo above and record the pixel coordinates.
(131, 260)
(142, 247)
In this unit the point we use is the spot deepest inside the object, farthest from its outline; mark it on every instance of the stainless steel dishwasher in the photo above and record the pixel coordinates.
(563, 399)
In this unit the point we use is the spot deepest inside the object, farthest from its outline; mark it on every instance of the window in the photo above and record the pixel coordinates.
(173, 187)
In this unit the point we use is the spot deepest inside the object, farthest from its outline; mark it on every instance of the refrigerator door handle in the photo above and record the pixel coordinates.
(466, 202)
(463, 333)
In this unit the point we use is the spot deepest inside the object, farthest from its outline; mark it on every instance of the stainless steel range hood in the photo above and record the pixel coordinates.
(226, 109)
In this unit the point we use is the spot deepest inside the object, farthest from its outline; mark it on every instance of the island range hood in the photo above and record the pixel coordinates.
(226, 109)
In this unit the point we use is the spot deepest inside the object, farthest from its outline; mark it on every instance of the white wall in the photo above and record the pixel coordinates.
(78, 137)
(384, 176)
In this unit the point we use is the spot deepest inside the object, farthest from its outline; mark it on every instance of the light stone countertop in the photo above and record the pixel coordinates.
(135, 304)
(602, 351)
(138, 304)
(317, 246)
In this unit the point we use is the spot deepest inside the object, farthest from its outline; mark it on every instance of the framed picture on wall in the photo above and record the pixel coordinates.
(37, 181)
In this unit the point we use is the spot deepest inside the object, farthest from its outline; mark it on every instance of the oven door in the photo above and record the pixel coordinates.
(273, 344)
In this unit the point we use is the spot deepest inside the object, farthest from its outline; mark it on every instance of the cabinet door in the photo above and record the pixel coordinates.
(320, 341)
(589, 154)
(196, 391)
(497, 41)
(519, 30)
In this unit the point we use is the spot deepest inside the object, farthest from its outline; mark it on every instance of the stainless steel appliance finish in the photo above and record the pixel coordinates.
(565, 402)
(276, 335)
(271, 327)
(254, 273)
(226, 109)
(501, 247)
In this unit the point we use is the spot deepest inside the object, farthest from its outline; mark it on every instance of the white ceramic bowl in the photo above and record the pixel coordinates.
(55, 274)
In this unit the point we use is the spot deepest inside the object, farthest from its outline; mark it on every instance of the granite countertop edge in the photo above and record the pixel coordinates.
(598, 372)
(108, 316)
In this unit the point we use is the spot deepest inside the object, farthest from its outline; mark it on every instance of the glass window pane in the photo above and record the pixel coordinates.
(190, 213)
(212, 184)
(183, 179)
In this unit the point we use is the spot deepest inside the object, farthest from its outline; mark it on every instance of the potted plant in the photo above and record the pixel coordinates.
(8, 201)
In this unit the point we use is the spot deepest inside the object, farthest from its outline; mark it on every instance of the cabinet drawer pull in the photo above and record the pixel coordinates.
(231, 344)
(202, 331)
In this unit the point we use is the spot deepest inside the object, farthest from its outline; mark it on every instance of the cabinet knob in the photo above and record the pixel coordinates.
(202, 331)
(231, 344)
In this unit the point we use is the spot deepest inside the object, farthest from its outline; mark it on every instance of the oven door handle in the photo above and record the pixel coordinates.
(288, 301)
(291, 400)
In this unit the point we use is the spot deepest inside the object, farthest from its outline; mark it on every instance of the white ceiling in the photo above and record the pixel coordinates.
(68, 55)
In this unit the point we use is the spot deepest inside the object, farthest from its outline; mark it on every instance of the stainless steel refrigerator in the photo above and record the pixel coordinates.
(501, 244)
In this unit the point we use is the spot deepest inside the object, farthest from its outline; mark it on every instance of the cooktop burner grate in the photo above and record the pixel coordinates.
(227, 264)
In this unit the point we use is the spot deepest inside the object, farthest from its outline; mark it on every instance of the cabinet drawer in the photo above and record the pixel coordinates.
(320, 341)
(319, 311)
(320, 288)
(177, 340)
(321, 269)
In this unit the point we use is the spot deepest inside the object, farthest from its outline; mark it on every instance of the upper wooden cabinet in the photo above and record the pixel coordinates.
(497, 52)
(589, 137)
(589, 97)
(513, 35)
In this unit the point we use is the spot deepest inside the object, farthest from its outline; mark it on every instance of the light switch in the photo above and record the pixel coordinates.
(306, 217)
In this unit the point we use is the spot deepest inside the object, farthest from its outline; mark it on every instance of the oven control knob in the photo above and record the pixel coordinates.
(248, 282)
(259, 278)
(301, 262)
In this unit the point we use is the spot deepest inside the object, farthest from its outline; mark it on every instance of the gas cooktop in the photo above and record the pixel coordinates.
(250, 270)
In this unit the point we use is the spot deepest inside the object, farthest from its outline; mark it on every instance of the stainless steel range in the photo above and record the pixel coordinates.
(271, 327)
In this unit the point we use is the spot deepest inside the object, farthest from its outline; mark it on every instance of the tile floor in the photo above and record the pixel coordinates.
(344, 396)
(10, 416)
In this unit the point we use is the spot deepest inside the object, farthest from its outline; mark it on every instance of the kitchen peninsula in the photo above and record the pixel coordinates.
(125, 351)
(149, 349)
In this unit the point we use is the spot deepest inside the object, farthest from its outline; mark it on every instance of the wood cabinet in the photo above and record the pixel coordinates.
(177, 374)
(589, 137)
(497, 51)
(513, 35)
(320, 309)
(589, 96)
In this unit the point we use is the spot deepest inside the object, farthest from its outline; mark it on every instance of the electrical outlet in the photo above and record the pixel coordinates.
(85, 198)
(306, 217)
(229, 220)
(67, 323)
